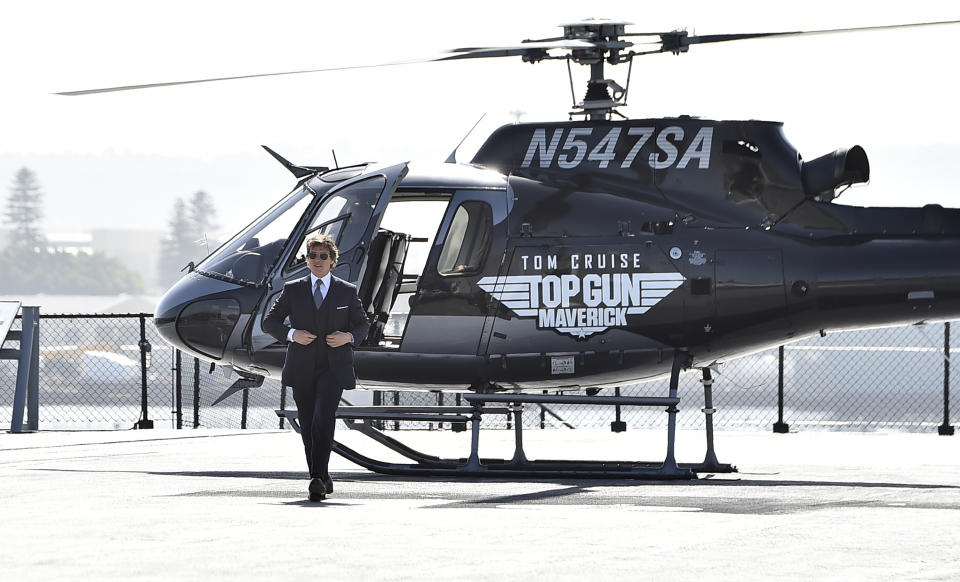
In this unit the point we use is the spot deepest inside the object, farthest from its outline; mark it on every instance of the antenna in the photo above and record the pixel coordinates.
(452, 158)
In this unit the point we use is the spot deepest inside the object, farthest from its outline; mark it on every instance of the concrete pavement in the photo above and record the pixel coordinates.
(230, 505)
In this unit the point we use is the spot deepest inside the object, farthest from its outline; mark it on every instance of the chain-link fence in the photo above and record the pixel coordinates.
(92, 377)
(90, 372)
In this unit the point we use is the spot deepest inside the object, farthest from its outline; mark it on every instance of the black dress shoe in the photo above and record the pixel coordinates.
(317, 490)
(328, 484)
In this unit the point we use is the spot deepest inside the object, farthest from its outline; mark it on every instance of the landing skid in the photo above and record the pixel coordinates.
(361, 419)
(500, 468)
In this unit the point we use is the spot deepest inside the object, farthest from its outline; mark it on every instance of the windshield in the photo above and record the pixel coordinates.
(249, 256)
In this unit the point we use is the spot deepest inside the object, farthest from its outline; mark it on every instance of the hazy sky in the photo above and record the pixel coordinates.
(119, 160)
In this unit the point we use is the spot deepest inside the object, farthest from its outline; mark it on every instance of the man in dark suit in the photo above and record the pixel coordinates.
(326, 321)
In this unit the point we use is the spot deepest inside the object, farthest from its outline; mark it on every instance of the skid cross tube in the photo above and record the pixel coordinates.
(680, 359)
(710, 462)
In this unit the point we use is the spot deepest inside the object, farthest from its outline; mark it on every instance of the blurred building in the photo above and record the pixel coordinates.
(74, 243)
(138, 250)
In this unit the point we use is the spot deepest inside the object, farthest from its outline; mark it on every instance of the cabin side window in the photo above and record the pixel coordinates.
(467, 240)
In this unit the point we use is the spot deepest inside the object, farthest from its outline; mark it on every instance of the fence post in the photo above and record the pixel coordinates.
(243, 409)
(458, 426)
(439, 403)
(780, 426)
(543, 416)
(396, 402)
(378, 401)
(617, 425)
(283, 402)
(178, 386)
(145, 348)
(946, 429)
(196, 393)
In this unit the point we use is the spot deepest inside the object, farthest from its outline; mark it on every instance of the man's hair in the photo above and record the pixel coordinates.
(324, 241)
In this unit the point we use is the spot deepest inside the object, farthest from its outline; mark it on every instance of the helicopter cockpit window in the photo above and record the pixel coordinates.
(249, 256)
(467, 241)
(344, 216)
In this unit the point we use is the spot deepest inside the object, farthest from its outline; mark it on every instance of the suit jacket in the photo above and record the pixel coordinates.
(341, 311)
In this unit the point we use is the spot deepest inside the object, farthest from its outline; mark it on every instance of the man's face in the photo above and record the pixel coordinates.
(322, 260)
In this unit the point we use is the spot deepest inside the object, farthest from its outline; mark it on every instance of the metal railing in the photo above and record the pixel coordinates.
(115, 372)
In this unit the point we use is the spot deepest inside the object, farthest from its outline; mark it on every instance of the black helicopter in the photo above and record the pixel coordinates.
(577, 255)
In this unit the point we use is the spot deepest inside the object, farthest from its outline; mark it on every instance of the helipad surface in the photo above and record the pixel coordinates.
(230, 505)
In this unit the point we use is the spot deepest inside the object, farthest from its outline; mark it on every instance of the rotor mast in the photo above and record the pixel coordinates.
(603, 95)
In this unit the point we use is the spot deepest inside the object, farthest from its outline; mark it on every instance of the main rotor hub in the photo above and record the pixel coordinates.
(605, 34)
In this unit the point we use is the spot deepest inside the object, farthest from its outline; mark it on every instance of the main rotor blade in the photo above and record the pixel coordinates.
(710, 38)
(675, 41)
(460, 53)
(214, 79)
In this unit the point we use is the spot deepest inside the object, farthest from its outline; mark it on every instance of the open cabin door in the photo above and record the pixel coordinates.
(351, 214)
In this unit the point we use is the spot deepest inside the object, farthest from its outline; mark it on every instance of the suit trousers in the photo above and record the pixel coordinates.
(316, 411)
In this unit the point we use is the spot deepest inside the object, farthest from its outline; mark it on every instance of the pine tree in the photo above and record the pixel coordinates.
(190, 236)
(175, 249)
(28, 266)
(202, 214)
(24, 211)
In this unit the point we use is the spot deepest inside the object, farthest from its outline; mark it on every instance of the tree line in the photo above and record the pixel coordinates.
(29, 264)
(189, 236)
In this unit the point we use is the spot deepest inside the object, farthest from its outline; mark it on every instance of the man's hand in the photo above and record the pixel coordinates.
(338, 338)
(304, 338)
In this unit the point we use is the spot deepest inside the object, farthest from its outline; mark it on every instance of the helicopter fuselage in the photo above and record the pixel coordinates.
(581, 254)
